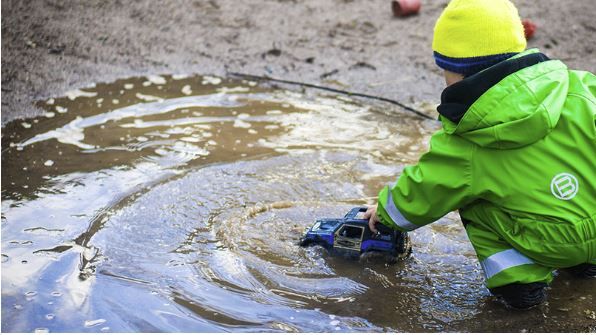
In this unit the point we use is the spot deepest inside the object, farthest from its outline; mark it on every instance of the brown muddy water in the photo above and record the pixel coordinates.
(175, 203)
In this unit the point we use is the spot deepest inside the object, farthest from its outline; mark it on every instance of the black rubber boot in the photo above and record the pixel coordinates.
(583, 270)
(521, 296)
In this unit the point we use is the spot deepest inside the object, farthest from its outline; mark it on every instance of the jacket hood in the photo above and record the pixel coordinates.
(510, 105)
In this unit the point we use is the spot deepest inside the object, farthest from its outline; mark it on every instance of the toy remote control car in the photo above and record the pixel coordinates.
(352, 235)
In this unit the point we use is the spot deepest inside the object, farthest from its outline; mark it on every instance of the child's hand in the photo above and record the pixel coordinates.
(371, 215)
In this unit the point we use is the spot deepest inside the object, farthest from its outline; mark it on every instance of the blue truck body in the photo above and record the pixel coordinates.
(352, 234)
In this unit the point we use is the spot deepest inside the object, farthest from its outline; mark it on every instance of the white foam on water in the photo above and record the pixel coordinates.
(241, 124)
(78, 93)
(157, 80)
(190, 139)
(211, 80)
(146, 97)
(73, 132)
(236, 89)
(186, 90)
(180, 76)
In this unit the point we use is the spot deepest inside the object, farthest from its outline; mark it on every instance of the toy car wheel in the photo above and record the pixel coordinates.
(403, 249)
(305, 242)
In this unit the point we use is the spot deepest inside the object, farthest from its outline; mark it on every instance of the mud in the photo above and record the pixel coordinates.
(50, 47)
(187, 196)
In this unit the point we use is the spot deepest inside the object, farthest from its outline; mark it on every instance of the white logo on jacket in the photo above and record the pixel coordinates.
(564, 186)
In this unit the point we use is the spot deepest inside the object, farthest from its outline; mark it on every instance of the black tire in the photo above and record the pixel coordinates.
(403, 248)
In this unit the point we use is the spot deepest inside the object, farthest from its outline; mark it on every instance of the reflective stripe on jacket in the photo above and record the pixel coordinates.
(520, 137)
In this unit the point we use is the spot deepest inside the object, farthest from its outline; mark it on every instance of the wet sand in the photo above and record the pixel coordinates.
(52, 46)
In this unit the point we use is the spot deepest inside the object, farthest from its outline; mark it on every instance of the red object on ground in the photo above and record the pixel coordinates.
(405, 7)
(529, 28)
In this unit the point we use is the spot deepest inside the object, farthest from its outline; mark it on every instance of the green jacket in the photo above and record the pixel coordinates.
(518, 143)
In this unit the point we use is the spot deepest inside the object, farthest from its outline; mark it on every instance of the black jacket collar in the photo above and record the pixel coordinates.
(457, 98)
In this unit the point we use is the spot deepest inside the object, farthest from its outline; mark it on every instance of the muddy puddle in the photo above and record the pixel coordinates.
(174, 203)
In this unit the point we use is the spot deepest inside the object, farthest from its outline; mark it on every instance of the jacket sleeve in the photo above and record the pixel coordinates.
(438, 184)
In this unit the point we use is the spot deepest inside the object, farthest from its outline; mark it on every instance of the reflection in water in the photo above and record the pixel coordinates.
(186, 196)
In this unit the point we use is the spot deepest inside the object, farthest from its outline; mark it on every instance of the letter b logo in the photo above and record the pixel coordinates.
(564, 186)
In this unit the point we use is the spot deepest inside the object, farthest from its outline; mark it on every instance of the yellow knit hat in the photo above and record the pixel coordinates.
(471, 35)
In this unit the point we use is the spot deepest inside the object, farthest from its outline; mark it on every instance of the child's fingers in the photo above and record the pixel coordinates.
(367, 214)
(371, 216)
(371, 224)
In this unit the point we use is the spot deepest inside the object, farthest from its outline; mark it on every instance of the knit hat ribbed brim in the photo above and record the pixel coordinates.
(469, 66)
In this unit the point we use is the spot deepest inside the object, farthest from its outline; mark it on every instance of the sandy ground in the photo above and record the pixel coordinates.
(52, 46)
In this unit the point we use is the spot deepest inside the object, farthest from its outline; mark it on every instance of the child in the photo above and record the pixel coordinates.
(516, 155)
